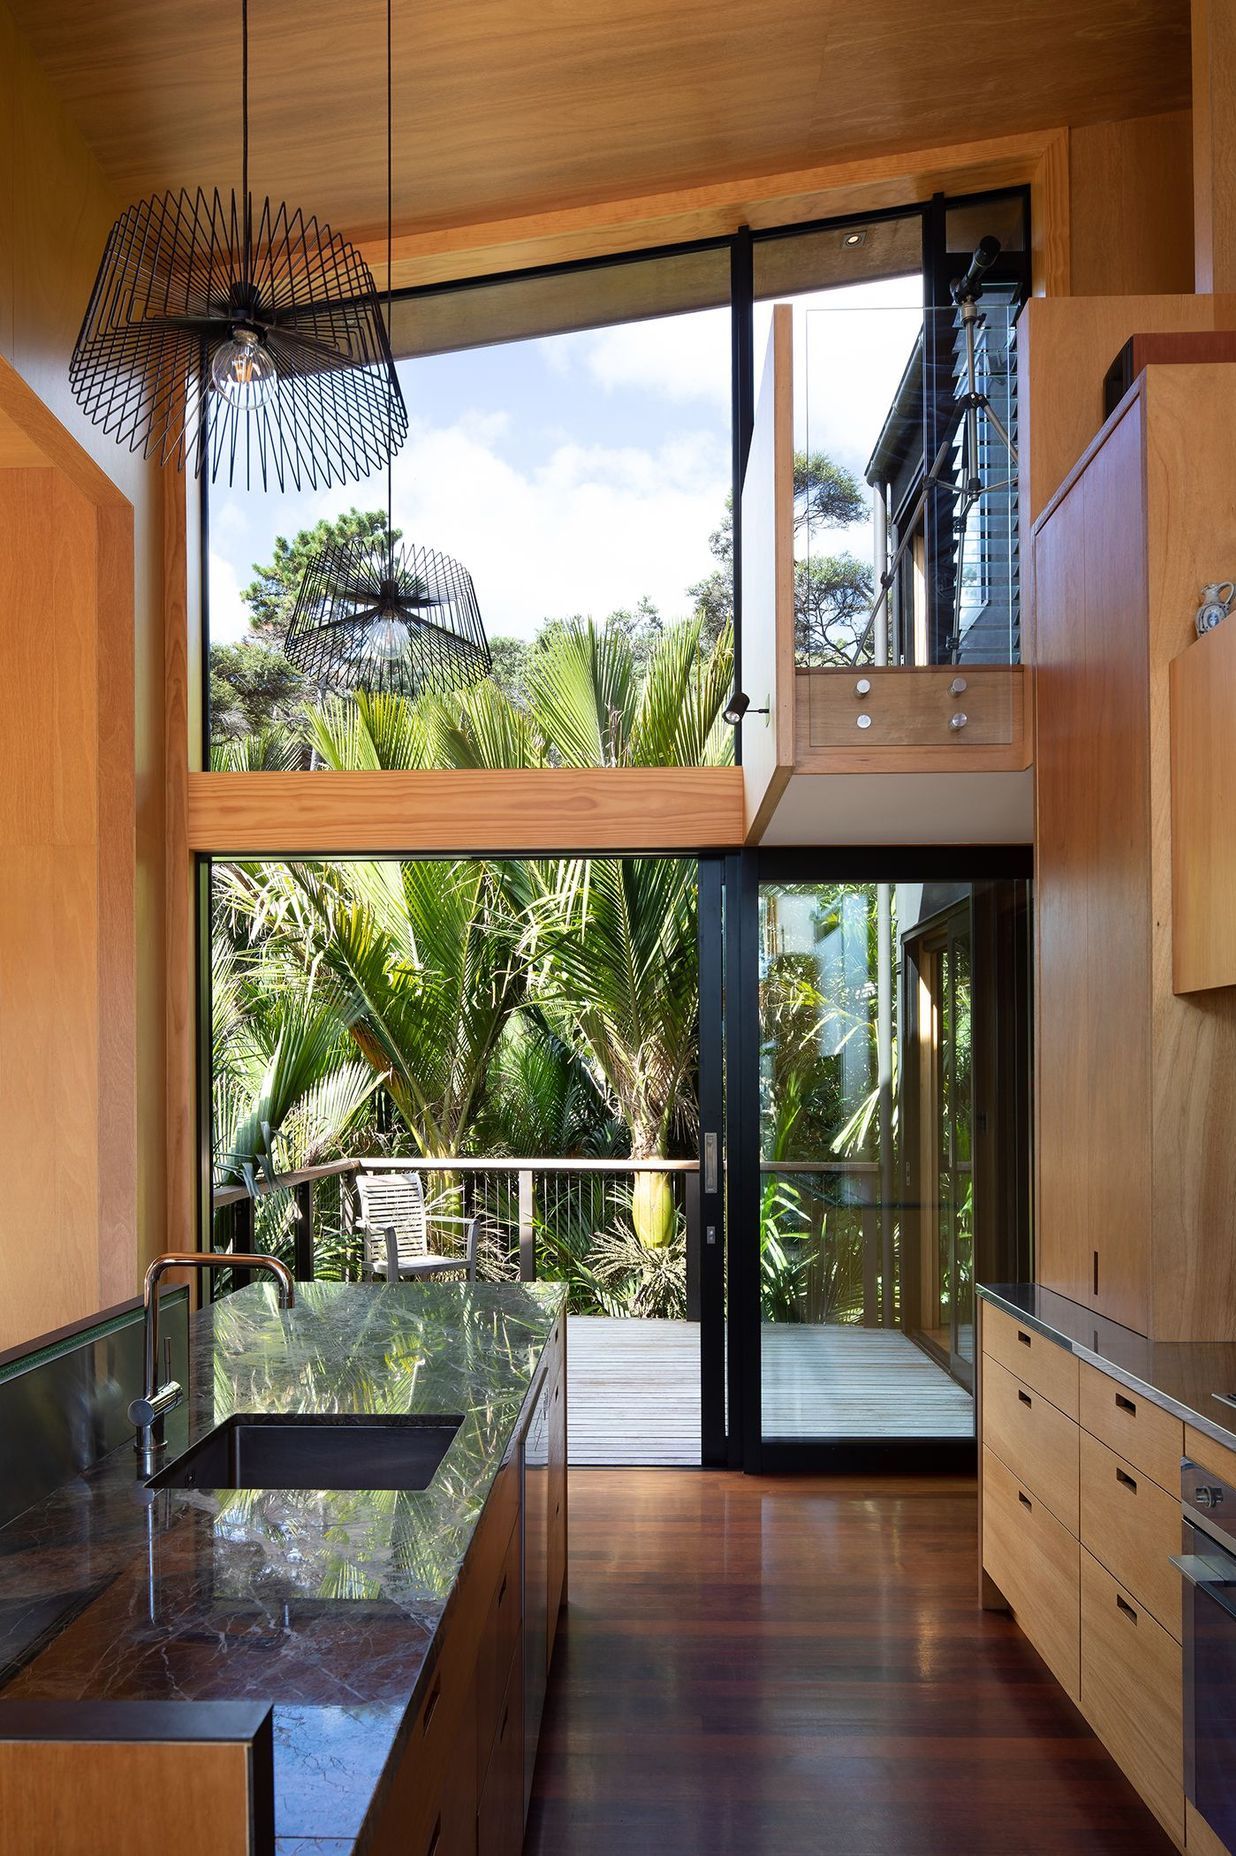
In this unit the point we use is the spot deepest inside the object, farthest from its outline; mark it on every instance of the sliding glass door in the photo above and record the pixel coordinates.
(873, 1156)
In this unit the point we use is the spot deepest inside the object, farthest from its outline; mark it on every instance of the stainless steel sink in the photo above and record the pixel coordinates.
(297, 1452)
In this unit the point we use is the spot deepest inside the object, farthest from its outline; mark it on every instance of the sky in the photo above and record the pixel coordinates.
(580, 473)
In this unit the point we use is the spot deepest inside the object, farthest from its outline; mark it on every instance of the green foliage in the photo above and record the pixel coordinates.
(271, 594)
(832, 593)
(252, 688)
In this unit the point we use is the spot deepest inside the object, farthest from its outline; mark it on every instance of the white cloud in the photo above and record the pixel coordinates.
(681, 358)
(591, 529)
(229, 616)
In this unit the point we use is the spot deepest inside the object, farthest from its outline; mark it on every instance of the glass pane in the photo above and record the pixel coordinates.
(569, 447)
(961, 1119)
(835, 1360)
(898, 473)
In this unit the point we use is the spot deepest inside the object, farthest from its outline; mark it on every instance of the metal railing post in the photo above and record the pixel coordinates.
(527, 1229)
(691, 1196)
(243, 1231)
(302, 1240)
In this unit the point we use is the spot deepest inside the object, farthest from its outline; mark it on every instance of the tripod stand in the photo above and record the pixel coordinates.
(967, 485)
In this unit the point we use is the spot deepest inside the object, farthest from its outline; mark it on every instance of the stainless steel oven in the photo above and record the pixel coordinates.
(1208, 1567)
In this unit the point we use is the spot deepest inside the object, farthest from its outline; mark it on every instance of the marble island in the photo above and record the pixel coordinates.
(329, 1605)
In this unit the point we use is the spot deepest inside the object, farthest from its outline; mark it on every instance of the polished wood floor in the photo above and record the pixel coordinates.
(799, 1668)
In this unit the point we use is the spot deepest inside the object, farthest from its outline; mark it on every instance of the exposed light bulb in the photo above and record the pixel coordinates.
(244, 371)
(387, 638)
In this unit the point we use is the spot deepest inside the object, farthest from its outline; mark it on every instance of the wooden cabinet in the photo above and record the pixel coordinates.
(460, 1788)
(1028, 1433)
(1133, 1426)
(1132, 1527)
(500, 1812)
(1136, 1178)
(1077, 1538)
(1034, 1358)
(1034, 1560)
(1203, 701)
(1131, 1682)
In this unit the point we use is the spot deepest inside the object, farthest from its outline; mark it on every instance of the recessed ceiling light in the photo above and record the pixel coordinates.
(854, 238)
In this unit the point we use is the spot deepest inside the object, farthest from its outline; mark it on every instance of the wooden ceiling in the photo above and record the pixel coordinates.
(509, 107)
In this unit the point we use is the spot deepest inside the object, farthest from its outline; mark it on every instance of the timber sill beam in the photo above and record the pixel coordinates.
(535, 811)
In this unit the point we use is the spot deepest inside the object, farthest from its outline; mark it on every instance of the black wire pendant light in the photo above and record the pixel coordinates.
(372, 615)
(255, 352)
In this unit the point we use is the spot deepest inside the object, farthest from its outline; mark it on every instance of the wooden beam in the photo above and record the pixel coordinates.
(1214, 145)
(542, 811)
(475, 248)
(1050, 230)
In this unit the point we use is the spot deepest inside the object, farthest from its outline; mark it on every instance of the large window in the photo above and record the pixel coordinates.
(572, 445)
(569, 445)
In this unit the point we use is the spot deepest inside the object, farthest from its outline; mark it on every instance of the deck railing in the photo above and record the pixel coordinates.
(540, 1218)
(830, 1243)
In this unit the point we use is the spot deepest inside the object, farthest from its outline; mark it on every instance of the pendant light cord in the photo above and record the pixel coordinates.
(390, 216)
(244, 138)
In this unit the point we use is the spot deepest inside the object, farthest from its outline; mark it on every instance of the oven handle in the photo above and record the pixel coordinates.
(1204, 1576)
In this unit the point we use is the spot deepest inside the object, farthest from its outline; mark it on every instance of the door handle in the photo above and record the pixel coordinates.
(712, 1163)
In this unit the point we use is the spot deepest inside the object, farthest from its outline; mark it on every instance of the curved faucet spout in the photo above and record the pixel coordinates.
(148, 1411)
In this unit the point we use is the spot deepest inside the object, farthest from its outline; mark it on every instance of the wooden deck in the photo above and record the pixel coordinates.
(634, 1389)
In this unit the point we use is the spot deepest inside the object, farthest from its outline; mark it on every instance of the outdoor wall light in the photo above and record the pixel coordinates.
(739, 706)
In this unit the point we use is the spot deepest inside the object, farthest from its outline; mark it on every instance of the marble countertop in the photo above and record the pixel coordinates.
(324, 1604)
(1184, 1377)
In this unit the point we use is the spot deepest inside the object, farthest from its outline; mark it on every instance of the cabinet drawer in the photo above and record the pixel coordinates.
(1034, 1560)
(496, 1650)
(1038, 1362)
(1132, 1527)
(1131, 1692)
(500, 1810)
(1199, 1448)
(1134, 1427)
(1033, 1439)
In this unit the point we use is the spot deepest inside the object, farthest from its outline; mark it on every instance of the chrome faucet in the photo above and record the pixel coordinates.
(149, 1411)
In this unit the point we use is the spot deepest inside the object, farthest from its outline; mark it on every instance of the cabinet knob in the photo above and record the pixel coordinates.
(863, 721)
(959, 720)
(863, 687)
(958, 687)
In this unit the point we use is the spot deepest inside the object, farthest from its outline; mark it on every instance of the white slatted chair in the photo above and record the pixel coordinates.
(397, 1223)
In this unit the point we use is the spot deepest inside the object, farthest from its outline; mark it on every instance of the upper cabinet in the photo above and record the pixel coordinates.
(1136, 1167)
(1203, 690)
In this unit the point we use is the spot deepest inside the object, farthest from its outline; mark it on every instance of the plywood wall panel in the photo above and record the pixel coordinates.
(1131, 206)
(56, 209)
(67, 1097)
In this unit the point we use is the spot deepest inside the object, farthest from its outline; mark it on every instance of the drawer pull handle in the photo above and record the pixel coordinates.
(435, 1837)
(431, 1706)
(1126, 1481)
(1024, 1397)
(1122, 1604)
(1023, 1338)
(1126, 1404)
(1024, 1500)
